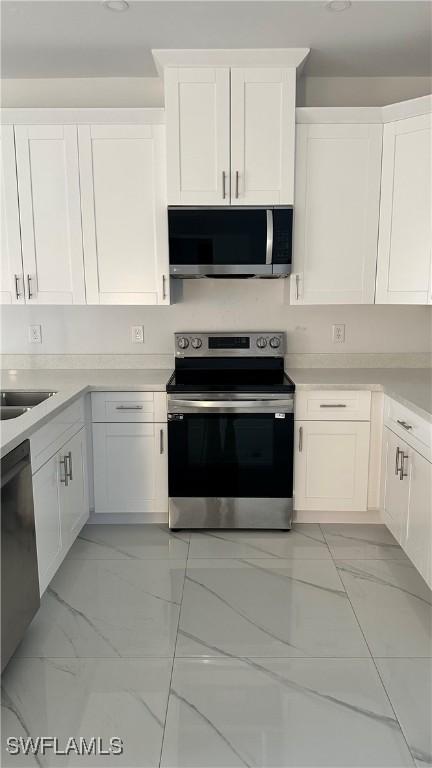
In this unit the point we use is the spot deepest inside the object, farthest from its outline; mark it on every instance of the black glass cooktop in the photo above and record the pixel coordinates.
(230, 374)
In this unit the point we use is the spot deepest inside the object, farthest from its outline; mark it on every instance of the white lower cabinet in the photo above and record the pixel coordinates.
(406, 500)
(47, 520)
(418, 534)
(395, 492)
(60, 495)
(130, 467)
(331, 465)
(74, 505)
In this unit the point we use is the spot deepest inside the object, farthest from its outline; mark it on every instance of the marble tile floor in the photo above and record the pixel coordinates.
(229, 648)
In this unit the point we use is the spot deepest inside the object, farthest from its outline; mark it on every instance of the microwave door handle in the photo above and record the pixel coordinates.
(269, 243)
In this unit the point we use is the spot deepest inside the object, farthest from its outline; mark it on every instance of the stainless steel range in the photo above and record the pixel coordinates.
(230, 432)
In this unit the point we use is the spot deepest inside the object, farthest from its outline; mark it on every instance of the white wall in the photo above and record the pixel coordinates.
(213, 305)
(148, 91)
(360, 91)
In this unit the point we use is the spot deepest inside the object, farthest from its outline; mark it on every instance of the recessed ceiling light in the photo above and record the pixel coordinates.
(338, 5)
(116, 5)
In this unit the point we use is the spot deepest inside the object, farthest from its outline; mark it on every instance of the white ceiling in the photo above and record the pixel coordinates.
(80, 38)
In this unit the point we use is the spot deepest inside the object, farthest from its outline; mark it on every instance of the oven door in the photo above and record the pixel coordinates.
(231, 464)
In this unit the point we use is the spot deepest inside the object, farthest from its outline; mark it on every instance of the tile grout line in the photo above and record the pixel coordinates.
(173, 658)
(371, 656)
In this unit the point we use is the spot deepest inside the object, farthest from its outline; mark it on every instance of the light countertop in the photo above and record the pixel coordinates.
(69, 385)
(410, 386)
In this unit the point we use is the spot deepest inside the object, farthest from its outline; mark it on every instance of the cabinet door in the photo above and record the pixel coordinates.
(404, 249)
(262, 136)
(394, 502)
(125, 230)
(49, 203)
(331, 465)
(338, 169)
(130, 473)
(418, 538)
(74, 502)
(197, 104)
(11, 286)
(47, 520)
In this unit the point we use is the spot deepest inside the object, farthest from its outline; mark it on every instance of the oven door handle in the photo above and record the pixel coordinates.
(230, 406)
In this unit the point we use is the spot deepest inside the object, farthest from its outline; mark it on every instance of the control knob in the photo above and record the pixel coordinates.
(196, 343)
(261, 342)
(183, 342)
(275, 342)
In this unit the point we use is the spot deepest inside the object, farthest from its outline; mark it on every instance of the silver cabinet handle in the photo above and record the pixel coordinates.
(68, 465)
(65, 478)
(402, 472)
(237, 175)
(17, 290)
(129, 407)
(398, 453)
(300, 439)
(29, 289)
(161, 441)
(297, 283)
(223, 185)
(404, 424)
(164, 294)
(333, 405)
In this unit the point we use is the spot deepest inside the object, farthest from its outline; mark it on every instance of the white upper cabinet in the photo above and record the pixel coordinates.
(230, 135)
(338, 168)
(11, 287)
(122, 173)
(404, 250)
(50, 216)
(198, 150)
(262, 136)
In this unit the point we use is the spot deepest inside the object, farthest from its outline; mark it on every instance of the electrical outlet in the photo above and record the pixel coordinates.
(137, 333)
(35, 334)
(339, 333)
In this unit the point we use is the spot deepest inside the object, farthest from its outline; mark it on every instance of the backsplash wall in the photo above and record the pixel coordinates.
(216, 305)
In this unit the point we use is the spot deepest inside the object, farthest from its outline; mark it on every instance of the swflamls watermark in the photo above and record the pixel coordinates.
(42, 745)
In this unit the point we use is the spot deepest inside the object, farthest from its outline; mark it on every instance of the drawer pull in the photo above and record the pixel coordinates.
(332, 405)
(404, 424)
(129, 407)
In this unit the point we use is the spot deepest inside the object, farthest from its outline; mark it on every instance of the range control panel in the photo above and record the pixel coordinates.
(257, 344)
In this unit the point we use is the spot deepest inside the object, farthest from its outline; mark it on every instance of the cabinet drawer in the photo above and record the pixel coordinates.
(416, 431)
(128, 406)
(333, 405)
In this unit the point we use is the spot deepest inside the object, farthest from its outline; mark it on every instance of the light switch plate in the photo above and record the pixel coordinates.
(338, 334)
(137, 334)
(35, 334)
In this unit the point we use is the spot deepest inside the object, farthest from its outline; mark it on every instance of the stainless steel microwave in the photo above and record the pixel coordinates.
(230, 242)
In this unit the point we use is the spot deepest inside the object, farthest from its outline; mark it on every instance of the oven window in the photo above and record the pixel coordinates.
(246, 455)
(217, 237)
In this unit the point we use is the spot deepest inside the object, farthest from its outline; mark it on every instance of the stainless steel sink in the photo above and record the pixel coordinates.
(24, 398)
(11, 412)
(15, 403)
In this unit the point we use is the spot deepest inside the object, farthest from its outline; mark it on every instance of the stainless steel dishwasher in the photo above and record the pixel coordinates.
(19, 569)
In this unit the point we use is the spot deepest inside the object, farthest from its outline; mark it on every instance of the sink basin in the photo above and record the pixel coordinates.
(11, 412)
(24, 398)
